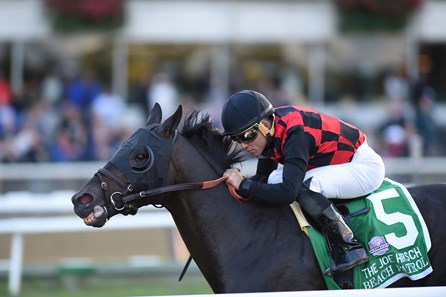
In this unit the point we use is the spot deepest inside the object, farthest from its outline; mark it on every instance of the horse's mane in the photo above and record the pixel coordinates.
(199, 129)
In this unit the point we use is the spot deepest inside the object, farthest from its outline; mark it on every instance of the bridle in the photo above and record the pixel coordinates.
(118, 205)
(128, 201)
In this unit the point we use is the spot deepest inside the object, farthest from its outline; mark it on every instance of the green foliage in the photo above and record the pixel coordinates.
(375, 15)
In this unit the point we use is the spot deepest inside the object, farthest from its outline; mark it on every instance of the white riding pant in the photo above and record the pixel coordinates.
(362, 175)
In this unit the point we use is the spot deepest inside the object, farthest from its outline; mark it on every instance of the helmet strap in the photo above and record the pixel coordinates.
(265, 131)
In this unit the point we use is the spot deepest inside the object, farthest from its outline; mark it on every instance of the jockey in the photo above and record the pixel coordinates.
(323, 157)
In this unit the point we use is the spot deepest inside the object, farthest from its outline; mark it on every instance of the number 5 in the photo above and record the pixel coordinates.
(393, 218)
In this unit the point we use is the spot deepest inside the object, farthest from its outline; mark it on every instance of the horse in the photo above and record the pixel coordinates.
(238, 246)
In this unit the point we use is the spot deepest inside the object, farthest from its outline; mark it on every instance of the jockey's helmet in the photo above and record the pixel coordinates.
(244, 109)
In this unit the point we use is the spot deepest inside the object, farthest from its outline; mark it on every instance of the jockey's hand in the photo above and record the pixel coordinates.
(233, 177)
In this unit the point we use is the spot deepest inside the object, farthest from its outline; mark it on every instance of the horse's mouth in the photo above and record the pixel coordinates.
(97, 217)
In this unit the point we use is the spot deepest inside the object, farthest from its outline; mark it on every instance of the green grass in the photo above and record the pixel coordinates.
(111, 286)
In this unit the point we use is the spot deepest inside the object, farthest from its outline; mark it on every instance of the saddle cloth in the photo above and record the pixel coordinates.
(393, 233)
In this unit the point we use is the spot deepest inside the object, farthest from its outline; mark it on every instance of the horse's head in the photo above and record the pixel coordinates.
(142, 162)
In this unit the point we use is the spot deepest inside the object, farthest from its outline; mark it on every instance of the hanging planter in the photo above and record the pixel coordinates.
(375, 15)
(85, 15)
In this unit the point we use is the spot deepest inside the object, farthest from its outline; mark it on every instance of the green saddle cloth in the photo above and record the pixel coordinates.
(393, 233)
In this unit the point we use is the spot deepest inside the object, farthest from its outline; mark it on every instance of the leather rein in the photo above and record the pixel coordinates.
(186, 186)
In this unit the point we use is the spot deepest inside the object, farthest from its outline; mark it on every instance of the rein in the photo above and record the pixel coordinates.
(186, 186)
(125, 205)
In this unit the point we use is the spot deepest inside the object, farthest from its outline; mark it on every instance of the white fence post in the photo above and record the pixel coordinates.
(15, 271)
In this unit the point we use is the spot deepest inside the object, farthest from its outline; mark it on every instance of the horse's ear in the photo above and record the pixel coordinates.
(172, 122)
(155, 115)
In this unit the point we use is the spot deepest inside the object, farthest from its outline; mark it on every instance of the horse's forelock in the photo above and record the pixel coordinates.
(199, 129)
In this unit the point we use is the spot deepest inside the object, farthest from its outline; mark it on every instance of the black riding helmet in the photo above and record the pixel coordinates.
(244, 109)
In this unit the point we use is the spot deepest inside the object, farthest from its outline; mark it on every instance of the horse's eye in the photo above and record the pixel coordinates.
(140, 158)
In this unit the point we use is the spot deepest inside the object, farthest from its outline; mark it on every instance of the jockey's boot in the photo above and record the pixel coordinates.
(346, 252)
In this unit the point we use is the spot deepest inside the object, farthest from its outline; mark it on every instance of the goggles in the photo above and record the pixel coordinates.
(247, 136)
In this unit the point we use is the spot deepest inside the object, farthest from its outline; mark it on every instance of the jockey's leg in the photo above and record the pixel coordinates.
(345, 251)
(361, 176)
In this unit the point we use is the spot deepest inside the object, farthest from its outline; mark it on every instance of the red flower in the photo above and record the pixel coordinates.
(94, 10)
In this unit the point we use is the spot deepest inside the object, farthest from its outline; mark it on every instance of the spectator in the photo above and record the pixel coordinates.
(163, 91)
(81, 92)
(71, 120)
(5, 90)
(396, 85)
(107, 111)
(8, 130)
(52, 88)
(65, 148)
(9, 125)
(140, 94)
(424, 121)
(271, 87)
(8, 121)
(107, 108)
(395, 132)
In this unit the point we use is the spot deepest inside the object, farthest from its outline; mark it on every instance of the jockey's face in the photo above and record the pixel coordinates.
(257, 146)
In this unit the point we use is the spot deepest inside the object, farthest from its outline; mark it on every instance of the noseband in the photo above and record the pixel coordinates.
(118, 204)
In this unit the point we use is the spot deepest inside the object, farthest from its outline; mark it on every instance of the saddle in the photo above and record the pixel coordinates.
(390, 227)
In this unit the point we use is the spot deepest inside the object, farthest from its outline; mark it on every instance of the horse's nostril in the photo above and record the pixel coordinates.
(85, 199)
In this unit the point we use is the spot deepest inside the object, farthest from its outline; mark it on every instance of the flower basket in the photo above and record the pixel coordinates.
(375, 15)
(85, 15)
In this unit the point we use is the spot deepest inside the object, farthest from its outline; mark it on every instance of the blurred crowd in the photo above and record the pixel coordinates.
(80, 118)
(410, 128)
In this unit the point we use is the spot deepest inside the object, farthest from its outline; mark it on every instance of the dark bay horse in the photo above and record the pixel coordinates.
(239, 247)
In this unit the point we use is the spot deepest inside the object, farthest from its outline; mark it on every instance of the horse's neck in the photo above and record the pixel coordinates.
(204, 218)
(219, 232)
(198, 208)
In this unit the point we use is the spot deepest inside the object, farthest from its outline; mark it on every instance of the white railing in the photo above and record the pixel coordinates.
(53, 213)
(45, 171)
